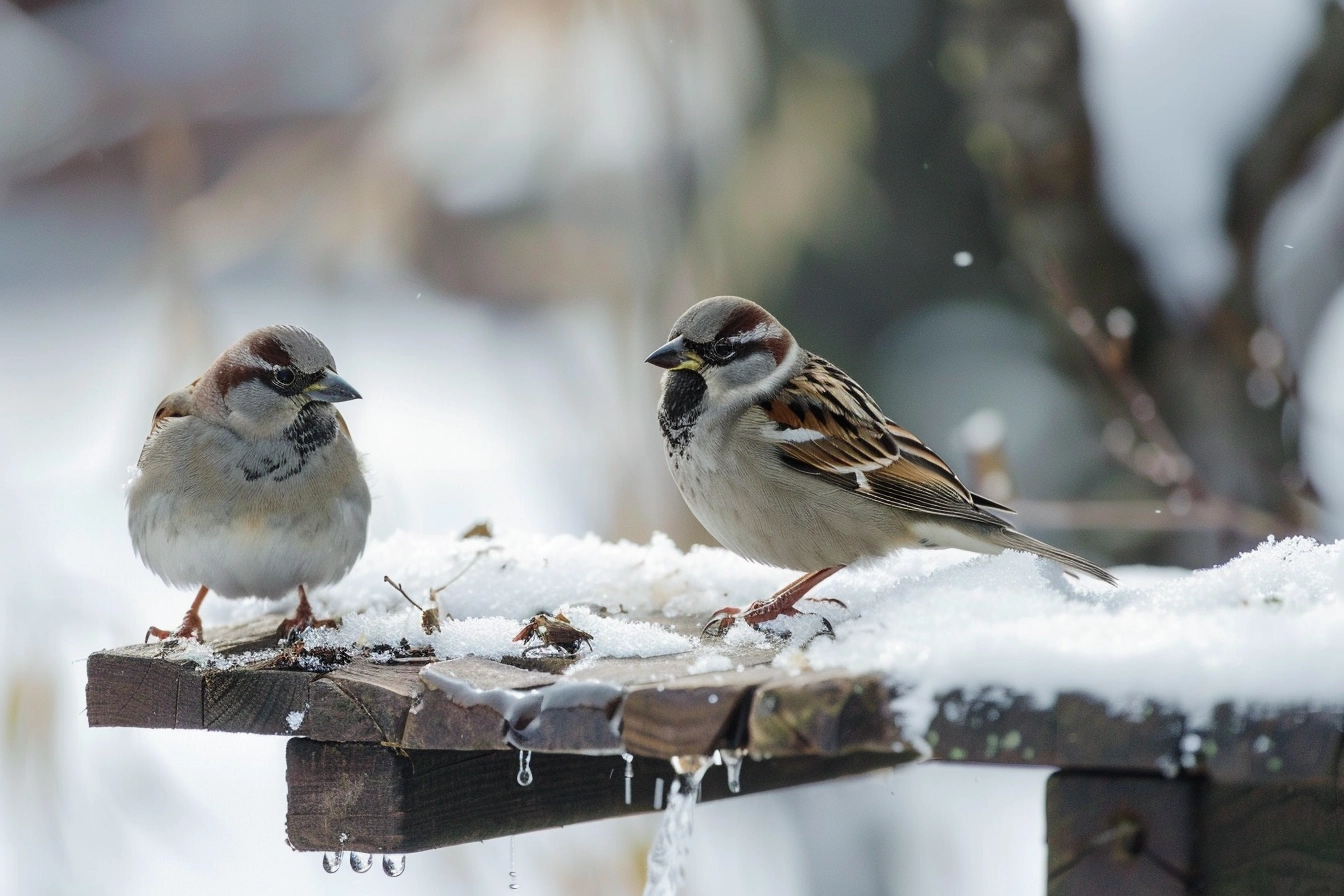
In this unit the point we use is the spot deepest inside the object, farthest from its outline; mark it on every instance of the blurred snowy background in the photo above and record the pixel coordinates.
(491, 211)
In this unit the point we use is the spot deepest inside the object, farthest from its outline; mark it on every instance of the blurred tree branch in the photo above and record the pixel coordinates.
(1313, 102)
(1016, 65)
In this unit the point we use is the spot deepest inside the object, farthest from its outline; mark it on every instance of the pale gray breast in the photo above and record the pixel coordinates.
(200, 514)
(735, 483)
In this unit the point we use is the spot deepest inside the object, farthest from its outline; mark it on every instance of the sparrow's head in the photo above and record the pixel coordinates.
(262, 382)
(732, 343)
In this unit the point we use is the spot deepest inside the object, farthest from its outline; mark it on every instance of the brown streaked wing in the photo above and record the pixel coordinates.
(174, 405)
(345, 427)
(859, 449)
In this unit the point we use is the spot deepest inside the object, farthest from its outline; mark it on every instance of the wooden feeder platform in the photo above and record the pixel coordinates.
(400, 755)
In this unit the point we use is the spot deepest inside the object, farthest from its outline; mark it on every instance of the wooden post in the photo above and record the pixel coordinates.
(1111, 834)
(1144, 835)
(1271, 838)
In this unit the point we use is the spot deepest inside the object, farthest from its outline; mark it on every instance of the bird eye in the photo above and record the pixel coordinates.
(284, 376)
(724, 349)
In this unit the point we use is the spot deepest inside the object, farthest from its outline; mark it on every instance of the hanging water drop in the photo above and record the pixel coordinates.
(513, 875)
(524, 767)
(629, 774)
(394, 866)
(331, 861)
(361, 862)
(732, 763)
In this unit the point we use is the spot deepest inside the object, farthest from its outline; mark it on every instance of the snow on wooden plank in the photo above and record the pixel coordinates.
(667, 706)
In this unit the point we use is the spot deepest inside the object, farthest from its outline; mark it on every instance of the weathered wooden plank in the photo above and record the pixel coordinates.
(693, 716)
(993, 725)
(564, 716)
(465, 704)
(1114, 833)
(390, 801)
(1091, 735)
(1271, 838)
(140, 686)
(363, 701)
(1285, 744)
(819, 714)
(256, 701)
(568, 717)
(126, 690)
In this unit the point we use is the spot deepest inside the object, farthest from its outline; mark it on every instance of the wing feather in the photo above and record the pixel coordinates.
(826, 425)
(174, 405)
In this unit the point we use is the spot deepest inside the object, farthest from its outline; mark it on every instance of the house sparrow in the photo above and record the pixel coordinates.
(789, 462)
(248, 484)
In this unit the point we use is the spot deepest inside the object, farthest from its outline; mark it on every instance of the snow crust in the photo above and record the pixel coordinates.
(1263, 628)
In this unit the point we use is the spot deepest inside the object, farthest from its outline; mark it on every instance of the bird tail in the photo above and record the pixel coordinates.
(1015, 540)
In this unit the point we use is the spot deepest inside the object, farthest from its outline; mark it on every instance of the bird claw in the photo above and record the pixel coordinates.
(300, 622)
(190, 628)
(720, 622)
(760, 613)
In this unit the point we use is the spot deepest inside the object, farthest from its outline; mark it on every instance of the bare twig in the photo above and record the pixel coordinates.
(1164, 463)
(1157, 456)
(402, 592)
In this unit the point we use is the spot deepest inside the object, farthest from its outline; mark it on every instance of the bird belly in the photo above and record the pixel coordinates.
(250, 539)
(254, 555)
(766, 512)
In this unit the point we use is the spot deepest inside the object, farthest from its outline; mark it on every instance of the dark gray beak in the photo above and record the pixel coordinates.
(331, 388)
(675, 356)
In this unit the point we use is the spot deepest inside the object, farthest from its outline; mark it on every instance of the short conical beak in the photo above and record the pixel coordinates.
(331, 388)
(675, 356)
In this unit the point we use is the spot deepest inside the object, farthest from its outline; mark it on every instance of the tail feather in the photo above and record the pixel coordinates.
(1015, 540)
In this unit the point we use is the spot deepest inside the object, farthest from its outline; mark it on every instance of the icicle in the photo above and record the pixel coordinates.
(672, 843)
(732, 763)
(513, 875)
(361, 862)
(629, 774)
(331, 861)
(524, 767)
(658, 795)
(394, 866)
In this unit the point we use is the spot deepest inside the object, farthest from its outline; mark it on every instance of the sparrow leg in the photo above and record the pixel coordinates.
(303, 618)
(191, 623)
(779, 604)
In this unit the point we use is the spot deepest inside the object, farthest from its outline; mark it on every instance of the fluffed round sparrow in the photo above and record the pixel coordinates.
(789, 462)
(249, 484)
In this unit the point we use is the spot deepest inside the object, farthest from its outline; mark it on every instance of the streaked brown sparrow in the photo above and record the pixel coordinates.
(789, 462)
(248, 484)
